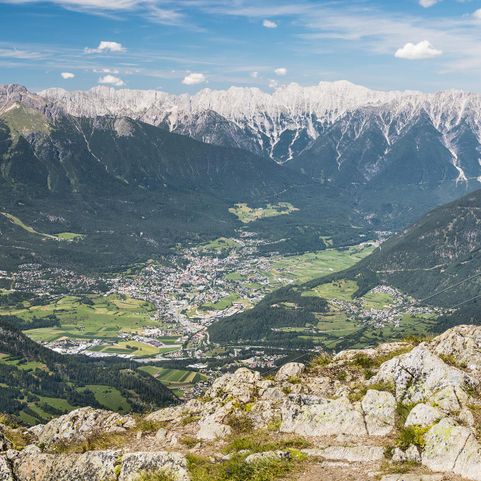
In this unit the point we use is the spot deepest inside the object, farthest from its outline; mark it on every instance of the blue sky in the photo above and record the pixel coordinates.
(186, 45)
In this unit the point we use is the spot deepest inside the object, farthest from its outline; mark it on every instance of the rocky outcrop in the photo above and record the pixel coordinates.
(452, 448)
(242, 385)
(420, 376)
(315, 416)
(81, 424)
(462, 344)
(347, 422)
(212, 426)
(289, 371)
(411, 455)
(172, 463)
(33, 465)
(379, 408)
(423, 415)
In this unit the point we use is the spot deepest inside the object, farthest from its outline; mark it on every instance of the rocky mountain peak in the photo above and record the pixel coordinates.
(305, 125)
(372, 413)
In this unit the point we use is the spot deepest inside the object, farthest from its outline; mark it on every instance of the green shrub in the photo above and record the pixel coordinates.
(148, 425)
(364, 361)
(189, 441)
(320, 361)
(274, 424)
(237, 469)
(261, 441)
(239, 423)
(411, 435)
(189, 419)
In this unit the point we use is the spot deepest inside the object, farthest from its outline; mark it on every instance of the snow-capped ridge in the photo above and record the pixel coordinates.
(284, 123)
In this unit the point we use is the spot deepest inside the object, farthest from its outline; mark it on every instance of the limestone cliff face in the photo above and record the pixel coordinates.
(366, 414)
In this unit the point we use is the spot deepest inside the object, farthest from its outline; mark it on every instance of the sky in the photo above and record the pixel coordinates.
(187, 45)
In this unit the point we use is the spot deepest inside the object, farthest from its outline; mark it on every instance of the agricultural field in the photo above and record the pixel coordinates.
(342, 290)
(177, 380)
(303, 268)
(222, 304)
(248, 214)
(87, 317)
(132, 348)
(220, 245)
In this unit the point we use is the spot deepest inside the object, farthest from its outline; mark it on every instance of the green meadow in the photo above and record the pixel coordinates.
(248, 214)
(305, 267)
(175, 379)
(88, 317)
(62, 236)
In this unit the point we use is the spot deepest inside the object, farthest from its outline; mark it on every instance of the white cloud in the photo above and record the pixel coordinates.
(418, 51)
(273, 84)
(165, 16)
(149, 9)
(477, 14)
(106, 70)
(281, 71)
(67, 75)
(428, 3)
(194, 78)
(90, 4)
(254, 74)
(269, 24)
(19, 54)
(111, 80)
(106, 46)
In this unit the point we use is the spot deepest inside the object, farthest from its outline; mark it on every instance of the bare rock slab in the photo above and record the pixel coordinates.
(135, 463)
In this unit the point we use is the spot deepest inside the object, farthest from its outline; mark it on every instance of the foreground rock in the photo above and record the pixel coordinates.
(172, 463)
(379, 408)
(452, 448)
(290, 370)
(80, 425)
(314, 416)
(91, 466)
(420, 376)
(462, 344)
(351, 424)
(6, 473)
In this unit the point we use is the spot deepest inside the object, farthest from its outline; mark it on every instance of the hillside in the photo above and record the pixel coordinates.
(122, 191)
(399, 154)
(38, 384)
(406, 411)
(423, 280)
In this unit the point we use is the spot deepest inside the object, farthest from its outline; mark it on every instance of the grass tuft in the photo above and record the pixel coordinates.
(162, 475)
(237, 469)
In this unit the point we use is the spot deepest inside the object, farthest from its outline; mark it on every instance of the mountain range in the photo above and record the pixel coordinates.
(129, 190)
(394, 151)
(134, 172)
(298, 120)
